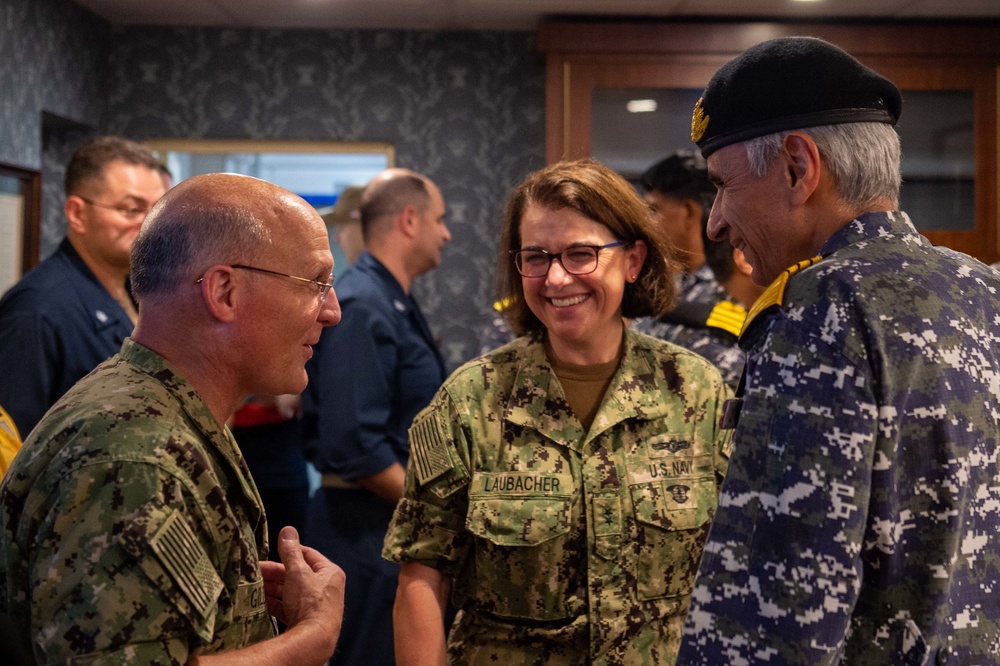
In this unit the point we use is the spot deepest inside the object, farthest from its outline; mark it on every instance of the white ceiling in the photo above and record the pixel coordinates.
(505, 14)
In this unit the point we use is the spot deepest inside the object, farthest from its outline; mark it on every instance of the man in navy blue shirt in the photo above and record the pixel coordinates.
(73, 310)
(367, 380)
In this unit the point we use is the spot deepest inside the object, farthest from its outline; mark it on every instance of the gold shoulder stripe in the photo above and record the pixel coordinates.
(503, 305)
(775, 293)
(727, 316)
(7, 423)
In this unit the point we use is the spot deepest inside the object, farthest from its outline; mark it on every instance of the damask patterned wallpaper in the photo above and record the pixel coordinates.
(464, 108)
(54, 57)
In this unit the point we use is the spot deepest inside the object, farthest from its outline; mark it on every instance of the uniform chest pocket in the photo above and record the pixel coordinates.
(521, 545)
(673, 517)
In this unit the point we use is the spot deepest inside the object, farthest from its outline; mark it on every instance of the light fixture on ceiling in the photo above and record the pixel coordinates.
(641, 105)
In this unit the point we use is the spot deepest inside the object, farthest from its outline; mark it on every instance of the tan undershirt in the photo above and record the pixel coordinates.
(585, 386)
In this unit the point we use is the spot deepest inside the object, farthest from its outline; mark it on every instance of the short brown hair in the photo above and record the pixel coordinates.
(385, 196)
(600, 194)
(90, 158)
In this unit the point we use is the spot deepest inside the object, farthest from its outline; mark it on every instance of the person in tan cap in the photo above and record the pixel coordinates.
(345, 220)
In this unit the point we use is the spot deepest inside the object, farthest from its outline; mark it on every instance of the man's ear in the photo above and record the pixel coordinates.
(219, 292)
(74, 209)
(802, 164)
(740, 262)
(408, 221)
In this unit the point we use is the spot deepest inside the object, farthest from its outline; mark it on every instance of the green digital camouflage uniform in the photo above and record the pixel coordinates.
(131, 528)
(565, 546)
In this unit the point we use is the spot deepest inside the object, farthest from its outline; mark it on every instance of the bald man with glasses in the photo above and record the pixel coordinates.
(131, 529)
(74, 310)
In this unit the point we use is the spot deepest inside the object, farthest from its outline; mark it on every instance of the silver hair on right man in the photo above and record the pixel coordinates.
(863, 158)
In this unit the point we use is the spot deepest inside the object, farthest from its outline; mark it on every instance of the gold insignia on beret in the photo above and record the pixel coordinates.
(699, 122)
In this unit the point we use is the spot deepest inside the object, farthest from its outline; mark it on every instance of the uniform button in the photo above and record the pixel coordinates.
(943, 655)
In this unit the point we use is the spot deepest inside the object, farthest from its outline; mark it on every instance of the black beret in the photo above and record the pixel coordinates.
(787, 84)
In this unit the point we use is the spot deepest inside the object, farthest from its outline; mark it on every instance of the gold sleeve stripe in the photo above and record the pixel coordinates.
(727, 316)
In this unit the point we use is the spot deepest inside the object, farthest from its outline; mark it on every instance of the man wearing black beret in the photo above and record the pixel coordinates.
(858, 520)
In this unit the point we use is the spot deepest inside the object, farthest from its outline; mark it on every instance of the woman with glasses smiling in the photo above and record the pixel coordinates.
(561, 487)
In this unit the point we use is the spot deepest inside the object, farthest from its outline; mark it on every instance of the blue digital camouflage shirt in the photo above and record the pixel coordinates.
(858, 521)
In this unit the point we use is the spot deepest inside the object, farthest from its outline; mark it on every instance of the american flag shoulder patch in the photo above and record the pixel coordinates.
(429, 450)
(186, 562)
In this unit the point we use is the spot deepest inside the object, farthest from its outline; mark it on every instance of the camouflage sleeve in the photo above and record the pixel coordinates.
(119, 574)
(781, 570)
(428, 525)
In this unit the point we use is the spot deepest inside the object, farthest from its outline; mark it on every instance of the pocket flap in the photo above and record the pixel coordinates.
(518, 522)
(676, 504)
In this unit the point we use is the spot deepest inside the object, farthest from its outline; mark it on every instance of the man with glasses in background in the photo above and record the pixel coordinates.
(74, 310)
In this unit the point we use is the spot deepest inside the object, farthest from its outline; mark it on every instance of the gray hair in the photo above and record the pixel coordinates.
(178, 242)
(863, 158)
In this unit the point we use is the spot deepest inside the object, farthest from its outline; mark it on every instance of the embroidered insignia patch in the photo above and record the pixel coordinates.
(679, 493)
(180, 554)
(428, 450)
(699, 122)
(727, 316)
(670, 444)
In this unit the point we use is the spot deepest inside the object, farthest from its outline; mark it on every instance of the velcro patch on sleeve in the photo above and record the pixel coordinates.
(429, 449)
(186, 562)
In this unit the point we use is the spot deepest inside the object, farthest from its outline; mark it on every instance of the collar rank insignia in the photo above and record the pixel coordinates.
(775, 292)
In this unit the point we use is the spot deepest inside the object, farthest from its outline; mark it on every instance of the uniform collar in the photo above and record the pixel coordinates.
(872, 226)
(194, 407)
(367, 263)
(862, 229)
(180, 388)
(538, 402)
(104, 311)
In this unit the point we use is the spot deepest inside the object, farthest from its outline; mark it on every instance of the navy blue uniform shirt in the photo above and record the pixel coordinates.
(369, 375)
(56, 325)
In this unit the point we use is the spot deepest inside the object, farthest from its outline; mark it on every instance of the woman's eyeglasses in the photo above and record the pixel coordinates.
(575, 260)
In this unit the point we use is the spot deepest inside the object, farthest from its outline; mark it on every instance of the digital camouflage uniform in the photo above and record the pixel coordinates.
(718, 346)
(859, 518)
(131, 528)
(565, 547)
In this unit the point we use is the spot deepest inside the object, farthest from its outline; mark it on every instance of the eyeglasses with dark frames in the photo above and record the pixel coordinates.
(322, 288)
(125, 211)
(575, 260)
